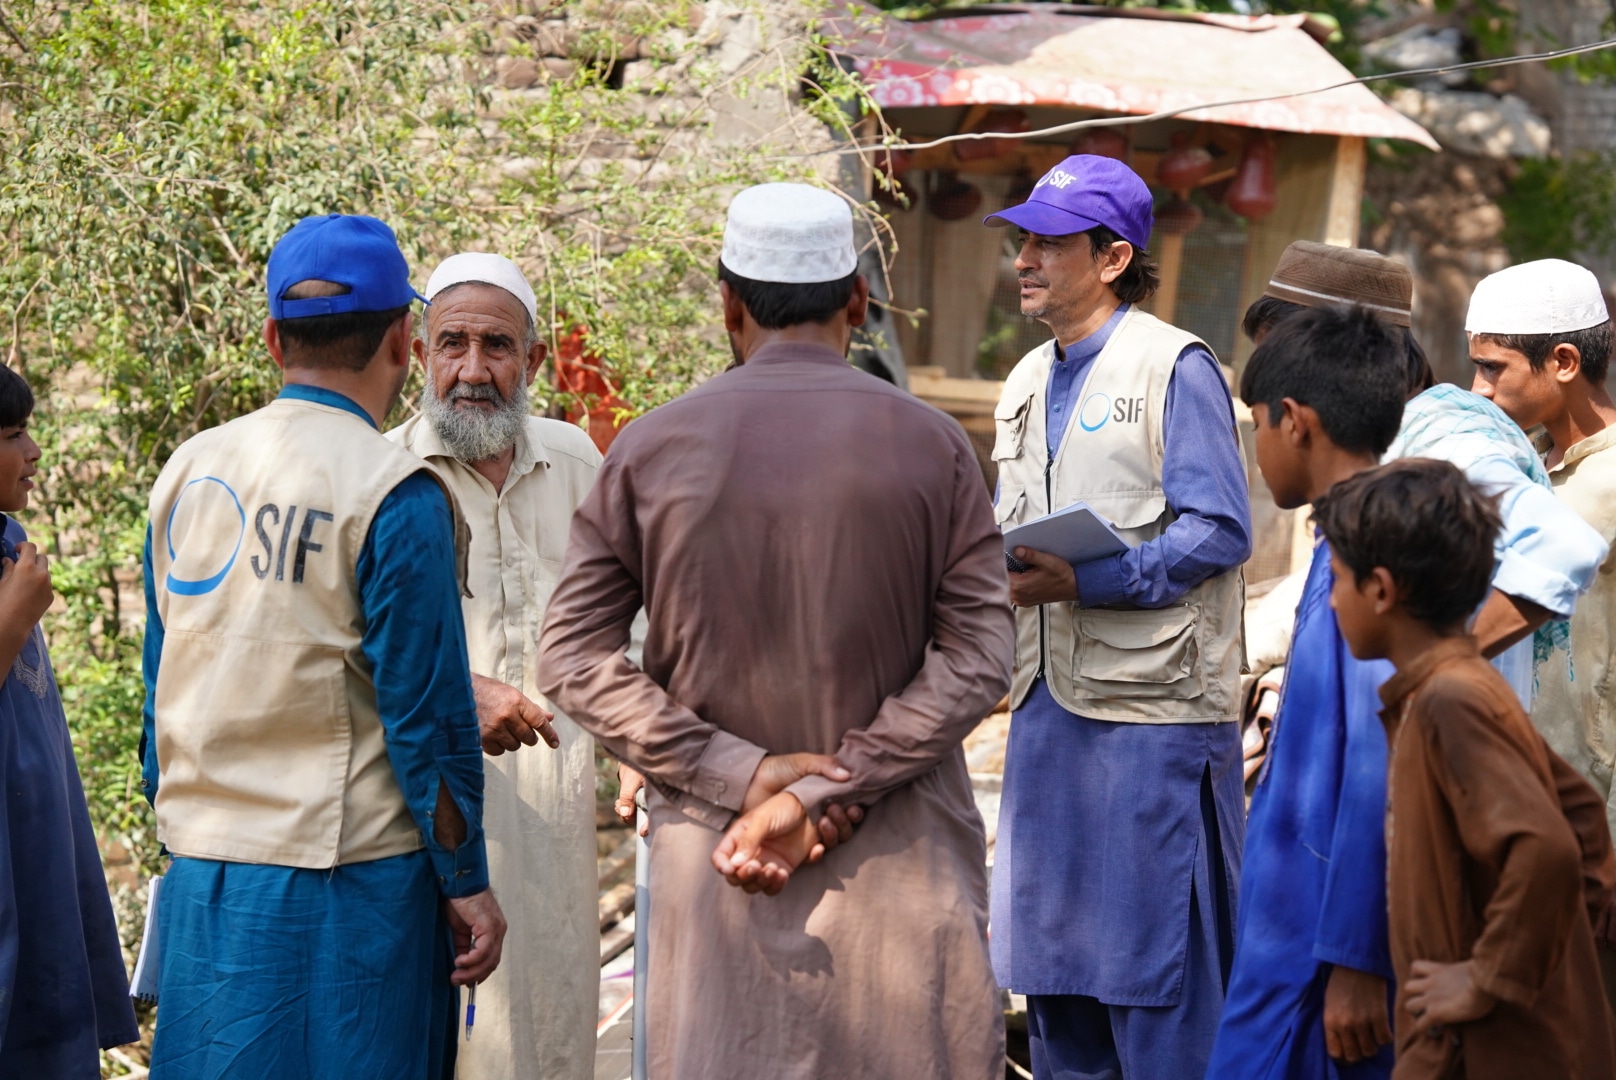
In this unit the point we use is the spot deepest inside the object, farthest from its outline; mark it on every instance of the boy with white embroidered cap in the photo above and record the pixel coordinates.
(1540, 338)
(816, 554)
(1123, 813)
(517, 478)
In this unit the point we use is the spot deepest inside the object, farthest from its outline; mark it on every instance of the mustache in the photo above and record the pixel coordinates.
(1027, 277)
(474, 392)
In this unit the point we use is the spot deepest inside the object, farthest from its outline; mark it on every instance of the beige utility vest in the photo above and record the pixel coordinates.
(269, 745)
(1177, 664)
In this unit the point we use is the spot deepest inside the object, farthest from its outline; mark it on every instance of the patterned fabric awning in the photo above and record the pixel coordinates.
(1117, 61)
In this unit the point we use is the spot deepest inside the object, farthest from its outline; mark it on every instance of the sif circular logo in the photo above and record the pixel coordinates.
(1094, 412)
(206, 514)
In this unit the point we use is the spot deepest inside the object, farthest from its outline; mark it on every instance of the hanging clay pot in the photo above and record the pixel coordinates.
(1252, 194)
(952, 199)
(1178, 217)
(1007, 120)
(1021, 187)
(1102, 142)
(1183, 166)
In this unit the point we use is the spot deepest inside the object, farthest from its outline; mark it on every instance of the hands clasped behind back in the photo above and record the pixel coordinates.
(774, 834)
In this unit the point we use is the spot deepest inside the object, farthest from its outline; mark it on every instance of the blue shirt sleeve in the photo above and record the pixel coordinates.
(415, 640)
(1352, 930)
(150, 656)
(1547, 553)
(1205, 483)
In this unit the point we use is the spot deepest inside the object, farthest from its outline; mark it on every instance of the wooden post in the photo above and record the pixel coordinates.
(1346, 193)
(1171, 262)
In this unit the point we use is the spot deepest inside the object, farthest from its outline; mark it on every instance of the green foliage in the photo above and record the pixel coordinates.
(1558, 206)
(152, 152)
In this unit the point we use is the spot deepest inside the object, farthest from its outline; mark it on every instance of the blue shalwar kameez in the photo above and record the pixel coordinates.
(274, 971)
(1113, 888)
(63, 993)
(1313, 889)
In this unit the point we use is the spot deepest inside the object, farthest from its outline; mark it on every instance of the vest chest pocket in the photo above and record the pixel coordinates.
(1148, 653)
(1010, 427)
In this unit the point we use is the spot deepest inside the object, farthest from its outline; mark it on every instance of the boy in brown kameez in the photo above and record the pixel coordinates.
(1498, 852)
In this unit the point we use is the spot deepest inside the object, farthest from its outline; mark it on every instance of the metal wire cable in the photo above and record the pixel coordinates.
(1168, 114)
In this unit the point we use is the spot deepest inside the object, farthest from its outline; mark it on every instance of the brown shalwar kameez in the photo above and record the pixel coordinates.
(1498, 853)
(816, 553)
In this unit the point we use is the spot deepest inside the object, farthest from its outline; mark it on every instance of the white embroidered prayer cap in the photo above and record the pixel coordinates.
(790, 233)
(482, 268)
(1549, 296)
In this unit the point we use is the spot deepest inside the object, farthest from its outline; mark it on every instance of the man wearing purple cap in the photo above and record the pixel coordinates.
(311, 744)
(1122, 816)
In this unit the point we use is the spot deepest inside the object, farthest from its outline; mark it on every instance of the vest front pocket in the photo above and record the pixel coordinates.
(1146, 653)
(1007, 507)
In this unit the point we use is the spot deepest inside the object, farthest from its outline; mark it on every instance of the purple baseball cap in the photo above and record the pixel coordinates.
(1081, 192)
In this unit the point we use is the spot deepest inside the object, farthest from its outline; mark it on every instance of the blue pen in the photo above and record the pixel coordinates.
(471, 1000)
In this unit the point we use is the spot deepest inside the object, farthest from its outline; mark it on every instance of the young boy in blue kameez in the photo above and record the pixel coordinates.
(1308, 993)
(63, 993)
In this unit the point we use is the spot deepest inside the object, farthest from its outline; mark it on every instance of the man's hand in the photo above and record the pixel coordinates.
(1049, 580)
(777, 772)
(507, 719)
(1442, 994)
(763, 846)
(629, 784)
(1355, 1020)
(479, 935)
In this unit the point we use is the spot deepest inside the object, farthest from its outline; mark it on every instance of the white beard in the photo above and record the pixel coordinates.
(472, 434)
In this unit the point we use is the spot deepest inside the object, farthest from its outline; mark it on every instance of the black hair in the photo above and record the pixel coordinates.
(1139, 280)
(1267, 312)
(346, 341)
(1592, 344)
(16, 398)
(776, 305)
(1344, 363)
(1428, 525)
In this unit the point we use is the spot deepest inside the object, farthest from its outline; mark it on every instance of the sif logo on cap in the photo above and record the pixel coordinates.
(1056, 178)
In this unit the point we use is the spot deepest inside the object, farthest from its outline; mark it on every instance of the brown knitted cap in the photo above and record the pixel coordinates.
(1317, 275)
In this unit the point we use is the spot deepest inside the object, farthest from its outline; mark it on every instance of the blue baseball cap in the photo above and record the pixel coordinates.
(359, 252)
(1081, 192)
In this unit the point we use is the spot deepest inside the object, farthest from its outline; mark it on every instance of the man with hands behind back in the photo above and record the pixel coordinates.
(825, 591)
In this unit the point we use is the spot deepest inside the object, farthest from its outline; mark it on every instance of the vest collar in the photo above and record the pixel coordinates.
(321, 396)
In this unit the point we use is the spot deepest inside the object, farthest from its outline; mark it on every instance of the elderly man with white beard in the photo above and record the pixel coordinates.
(518, 479)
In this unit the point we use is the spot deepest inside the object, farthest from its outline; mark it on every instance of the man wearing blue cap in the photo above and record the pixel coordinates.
(311, 744)
(1122, 817)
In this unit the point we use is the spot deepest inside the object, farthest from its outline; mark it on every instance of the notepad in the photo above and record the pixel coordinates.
(149, 964)
(1076, 534)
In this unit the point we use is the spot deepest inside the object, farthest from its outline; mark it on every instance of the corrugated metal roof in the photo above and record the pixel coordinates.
(1118, 61)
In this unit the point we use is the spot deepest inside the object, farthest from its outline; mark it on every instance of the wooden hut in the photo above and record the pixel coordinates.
(1235, 183)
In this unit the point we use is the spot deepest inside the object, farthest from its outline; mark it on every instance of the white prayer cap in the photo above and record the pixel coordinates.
(483, 269)
(789, 233)
(1549, 296)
